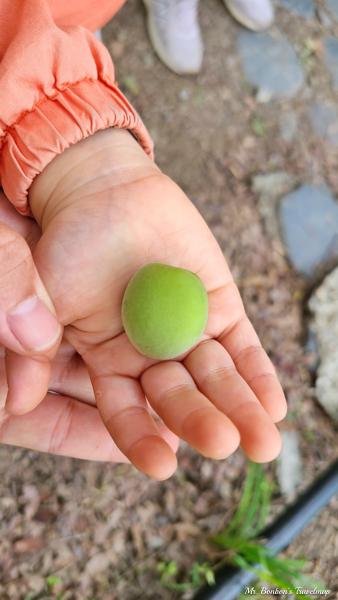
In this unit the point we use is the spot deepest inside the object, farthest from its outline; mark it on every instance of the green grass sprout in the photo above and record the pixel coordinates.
(197, 576)
(246, 552)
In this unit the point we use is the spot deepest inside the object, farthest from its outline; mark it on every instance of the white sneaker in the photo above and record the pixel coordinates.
(175, 34)
(253, 14)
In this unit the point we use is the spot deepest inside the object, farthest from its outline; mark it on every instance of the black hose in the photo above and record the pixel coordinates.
(230, 581)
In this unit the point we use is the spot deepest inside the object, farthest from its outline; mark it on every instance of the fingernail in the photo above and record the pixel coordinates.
(33, 325)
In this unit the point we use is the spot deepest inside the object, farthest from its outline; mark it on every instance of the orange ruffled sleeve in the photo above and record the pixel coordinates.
(57, 86)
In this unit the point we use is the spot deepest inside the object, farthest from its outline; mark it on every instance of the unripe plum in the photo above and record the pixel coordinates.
(164, 310)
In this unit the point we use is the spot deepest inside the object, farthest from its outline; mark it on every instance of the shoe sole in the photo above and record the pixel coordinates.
(238, 16)
(156, 43)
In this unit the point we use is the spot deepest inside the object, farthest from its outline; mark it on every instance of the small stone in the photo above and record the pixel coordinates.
(332, 6)
(309, 222)
(263, 96)
(270, 187)
(331, 57)
(288, 126)
(324, 121)
(324, 18)
(155, 542)
(270, 63)
(225, 489)
(304, 8)
(289, 463)
(324, 307)
(206, 470)
(31, 500)
(183, 95)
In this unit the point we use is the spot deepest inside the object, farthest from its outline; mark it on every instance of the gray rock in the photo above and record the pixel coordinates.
(324, 119)
(289, 463)
(309, 223)
(331, 57)
(269, 187)
(304, 8)
(183, 94)
(155, 542)
(332, 5)
(324, 307)
(270, 63)
(324, 18)
(288, 126)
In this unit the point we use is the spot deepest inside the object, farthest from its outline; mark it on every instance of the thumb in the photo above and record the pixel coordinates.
(28, 322)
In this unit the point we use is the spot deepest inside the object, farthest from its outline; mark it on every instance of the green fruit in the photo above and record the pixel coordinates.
(164, 310)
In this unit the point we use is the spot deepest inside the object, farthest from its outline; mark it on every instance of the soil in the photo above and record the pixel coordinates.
(100, 530)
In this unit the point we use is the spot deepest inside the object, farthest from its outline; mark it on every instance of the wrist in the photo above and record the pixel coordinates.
(108, 158)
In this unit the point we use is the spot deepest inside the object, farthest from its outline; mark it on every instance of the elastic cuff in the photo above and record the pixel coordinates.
(54, 123)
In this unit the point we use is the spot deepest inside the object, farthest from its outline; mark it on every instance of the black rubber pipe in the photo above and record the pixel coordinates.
(231, 581)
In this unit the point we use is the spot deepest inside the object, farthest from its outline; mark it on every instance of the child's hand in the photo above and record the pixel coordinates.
(68, 423)
(106, 210)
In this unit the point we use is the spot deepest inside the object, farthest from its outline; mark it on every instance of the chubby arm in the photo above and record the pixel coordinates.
(57, 86)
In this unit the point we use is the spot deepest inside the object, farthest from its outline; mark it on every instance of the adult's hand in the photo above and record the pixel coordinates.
(29, 328)
(67, 423)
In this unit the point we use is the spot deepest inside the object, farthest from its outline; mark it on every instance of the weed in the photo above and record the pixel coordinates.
(248, 554)
(197, 575)
(257, 125)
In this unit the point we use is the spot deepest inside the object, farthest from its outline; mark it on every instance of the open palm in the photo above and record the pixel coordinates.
(105, 211)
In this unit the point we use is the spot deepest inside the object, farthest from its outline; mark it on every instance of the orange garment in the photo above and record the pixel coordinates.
(57, 86)
(92, 14)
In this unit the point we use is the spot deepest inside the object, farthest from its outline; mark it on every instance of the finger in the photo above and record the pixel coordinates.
(28, 325)
(242, 343)
(25, 226)
(124, 411)
(69, 375)
(187, 412)
(64, 426)
(216, 376)
(28, 382)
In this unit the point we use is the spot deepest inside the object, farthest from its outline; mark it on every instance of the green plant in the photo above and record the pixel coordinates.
(198, 574)
(131, 84)
(246, 552)
(257, 125)
(52, 580)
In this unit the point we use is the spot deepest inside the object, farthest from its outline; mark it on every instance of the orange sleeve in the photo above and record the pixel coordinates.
(56, 88)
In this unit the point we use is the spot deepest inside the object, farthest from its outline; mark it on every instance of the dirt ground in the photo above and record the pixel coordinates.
(100, 530)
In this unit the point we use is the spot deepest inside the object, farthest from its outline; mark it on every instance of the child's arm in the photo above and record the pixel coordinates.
(57, 86)
(105, 210)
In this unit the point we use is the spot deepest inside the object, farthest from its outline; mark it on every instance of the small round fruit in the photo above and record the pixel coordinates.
(164, 310)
